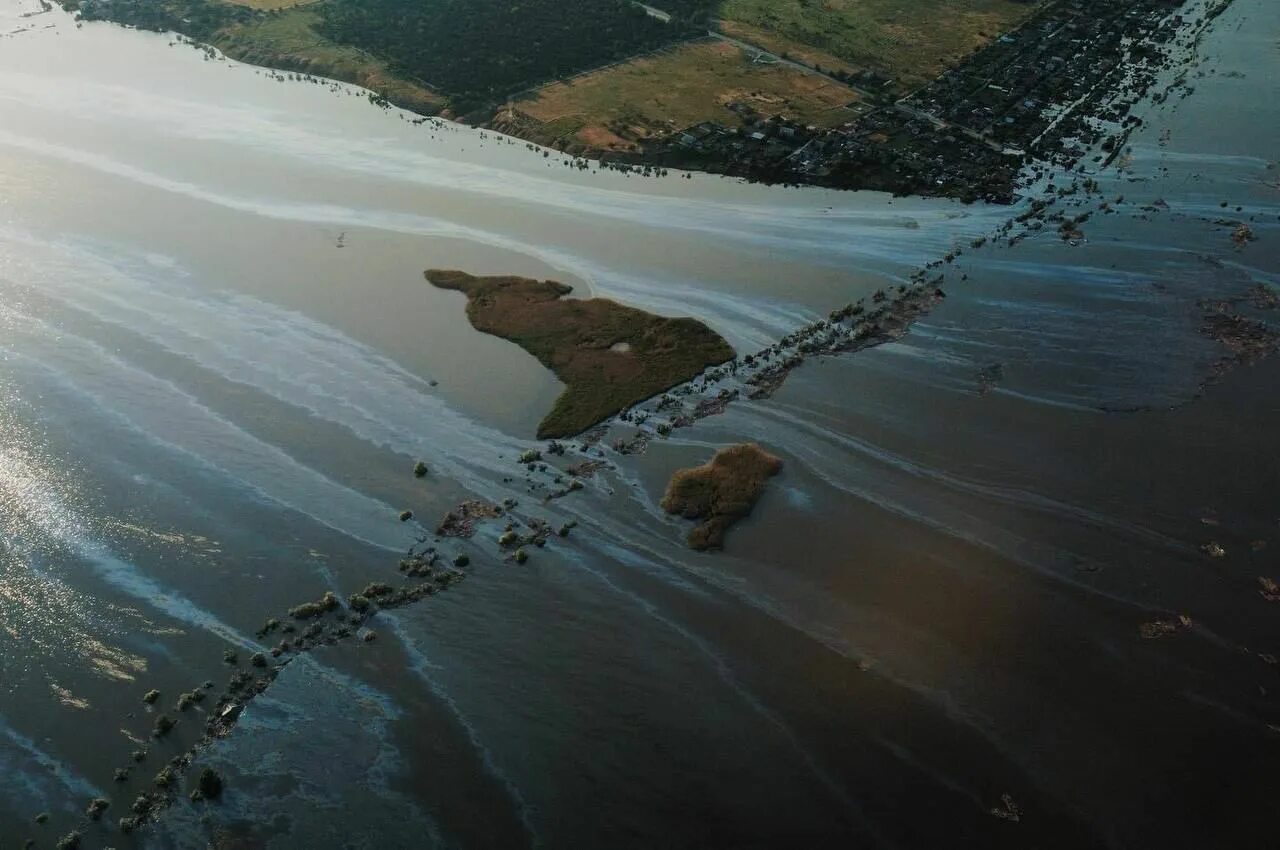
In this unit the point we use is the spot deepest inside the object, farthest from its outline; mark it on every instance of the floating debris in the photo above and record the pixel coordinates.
(1242, 236)
(989, 376)
(311, 610)
(327, 624)
(1007, 810)
(1164, 628)
(1247, 340)
(462, 520)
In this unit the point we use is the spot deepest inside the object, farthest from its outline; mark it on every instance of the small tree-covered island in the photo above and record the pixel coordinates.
(720, 492)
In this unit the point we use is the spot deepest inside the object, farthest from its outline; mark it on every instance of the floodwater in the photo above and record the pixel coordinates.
(219, 361)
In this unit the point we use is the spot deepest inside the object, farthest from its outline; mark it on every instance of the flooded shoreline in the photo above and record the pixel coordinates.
(217, 375)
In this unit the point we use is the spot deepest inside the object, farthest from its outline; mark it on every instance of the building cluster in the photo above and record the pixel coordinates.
(1062, 82)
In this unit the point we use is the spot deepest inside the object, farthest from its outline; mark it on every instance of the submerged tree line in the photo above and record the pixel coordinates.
(199, 19)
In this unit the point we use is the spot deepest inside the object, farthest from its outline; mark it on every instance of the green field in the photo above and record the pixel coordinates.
(268, 5)
(910, 40)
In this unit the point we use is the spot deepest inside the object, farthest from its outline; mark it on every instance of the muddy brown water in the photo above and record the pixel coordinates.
(217, 359)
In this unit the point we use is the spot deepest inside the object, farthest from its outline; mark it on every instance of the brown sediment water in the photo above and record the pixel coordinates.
(980, 591)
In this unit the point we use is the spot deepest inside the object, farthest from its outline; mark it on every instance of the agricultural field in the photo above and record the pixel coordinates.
(911, 41)
(271, 5)
(659, 94)
(781, 46)
(598, 76)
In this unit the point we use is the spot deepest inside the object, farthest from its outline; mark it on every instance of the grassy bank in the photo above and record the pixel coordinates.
(290, 39)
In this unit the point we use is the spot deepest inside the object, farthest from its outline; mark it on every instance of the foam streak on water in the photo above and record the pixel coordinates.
(218, 360)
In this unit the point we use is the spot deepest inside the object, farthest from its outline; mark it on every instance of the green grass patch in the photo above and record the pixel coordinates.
(911, 40)
(290, 39)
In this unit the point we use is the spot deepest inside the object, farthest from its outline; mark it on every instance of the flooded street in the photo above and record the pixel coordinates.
(1005, 593)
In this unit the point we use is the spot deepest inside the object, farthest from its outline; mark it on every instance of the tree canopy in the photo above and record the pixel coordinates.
(477, 51)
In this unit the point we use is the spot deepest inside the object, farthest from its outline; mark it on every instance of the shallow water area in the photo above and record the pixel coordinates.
(219, 361)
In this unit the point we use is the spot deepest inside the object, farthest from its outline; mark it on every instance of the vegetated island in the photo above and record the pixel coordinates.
(609, 356)
(720, 492)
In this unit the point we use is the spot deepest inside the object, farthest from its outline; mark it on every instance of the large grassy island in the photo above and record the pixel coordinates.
(609, 356)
